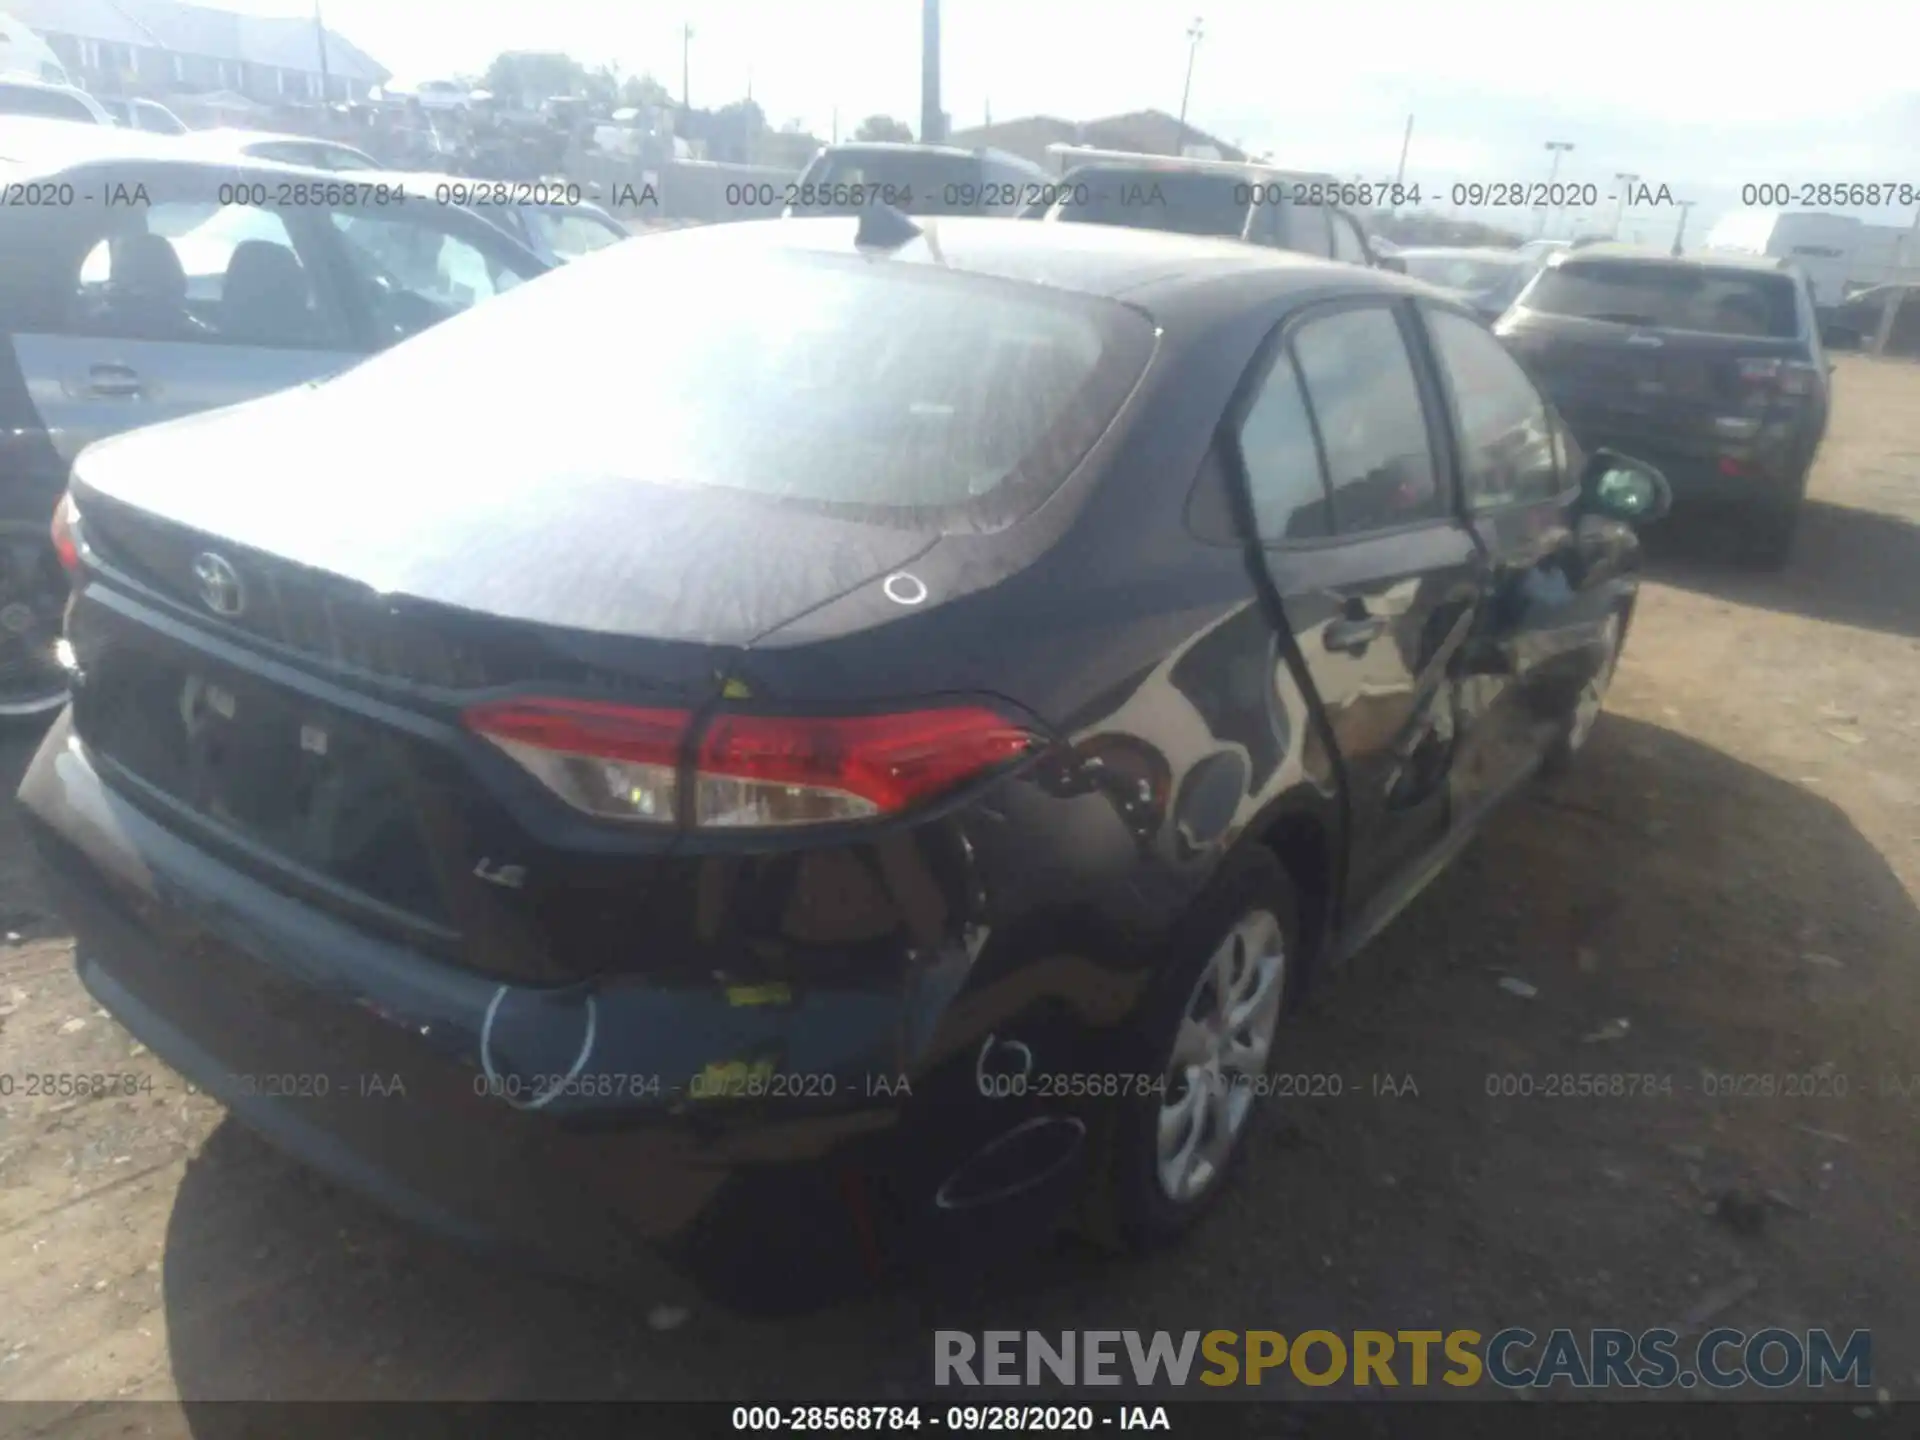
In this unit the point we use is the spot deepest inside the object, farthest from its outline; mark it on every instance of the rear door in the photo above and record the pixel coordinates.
(1378, 578)
(153, 311)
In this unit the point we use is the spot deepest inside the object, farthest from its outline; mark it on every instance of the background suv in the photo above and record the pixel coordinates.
(1710, 368)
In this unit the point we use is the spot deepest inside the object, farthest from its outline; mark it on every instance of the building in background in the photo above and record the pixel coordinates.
(1152, 132)
(164, 47)
(24, 53)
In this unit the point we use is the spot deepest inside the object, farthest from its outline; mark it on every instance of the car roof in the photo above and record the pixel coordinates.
(226, 139)
(31, 82)
(911, 147)
(33, 148)
(43, 145)
(1464, 252)
(1151, 269)
(1699, 259)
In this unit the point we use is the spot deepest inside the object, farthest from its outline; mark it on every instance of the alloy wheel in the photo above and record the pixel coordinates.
(1220, 1055)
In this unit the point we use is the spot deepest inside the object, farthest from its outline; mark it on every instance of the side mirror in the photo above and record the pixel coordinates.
(1396, 263)
(1622, 488)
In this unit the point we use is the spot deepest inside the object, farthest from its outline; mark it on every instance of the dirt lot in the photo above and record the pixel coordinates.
(1733, 873)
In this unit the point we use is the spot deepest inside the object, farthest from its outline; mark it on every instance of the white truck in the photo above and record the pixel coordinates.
(1823, 246)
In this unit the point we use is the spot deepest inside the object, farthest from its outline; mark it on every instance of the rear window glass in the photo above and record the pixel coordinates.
(1670, 297)
(897, 393)
(940, 184)
(1189, 202)
(48, 104)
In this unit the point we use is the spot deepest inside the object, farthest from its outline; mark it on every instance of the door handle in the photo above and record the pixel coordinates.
(114, 380)
(1352, 634)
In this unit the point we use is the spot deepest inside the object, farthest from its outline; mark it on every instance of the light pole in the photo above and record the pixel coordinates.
(932, 131)
(1558, 148)
(1195, 32)
(1625, 182)
(1686, 208)
(320, 37)
(686, 44)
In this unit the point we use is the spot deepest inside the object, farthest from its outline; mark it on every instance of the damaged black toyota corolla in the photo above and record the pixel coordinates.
(808, 747)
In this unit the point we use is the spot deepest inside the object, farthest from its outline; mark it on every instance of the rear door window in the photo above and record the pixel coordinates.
(1750, 304)
(1365, 400)
(1506, 444)
(1282, 463)
(187, 271)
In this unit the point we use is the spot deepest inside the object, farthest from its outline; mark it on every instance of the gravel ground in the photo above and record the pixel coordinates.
(1726, 886)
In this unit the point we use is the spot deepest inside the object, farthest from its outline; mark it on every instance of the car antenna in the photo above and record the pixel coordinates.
(884, 228)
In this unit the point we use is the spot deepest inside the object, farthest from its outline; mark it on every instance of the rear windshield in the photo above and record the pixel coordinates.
(894, 392)
(1669, 297)
(938, 183)
(1187, 201)
(47, 104)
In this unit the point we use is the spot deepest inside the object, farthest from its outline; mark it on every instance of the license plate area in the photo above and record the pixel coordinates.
(313, 784)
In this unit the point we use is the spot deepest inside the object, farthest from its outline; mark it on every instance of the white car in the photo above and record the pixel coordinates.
(148, 115)
(281, 149)
(44, 101)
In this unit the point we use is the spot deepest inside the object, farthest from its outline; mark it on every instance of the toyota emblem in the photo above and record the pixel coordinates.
(219, 582)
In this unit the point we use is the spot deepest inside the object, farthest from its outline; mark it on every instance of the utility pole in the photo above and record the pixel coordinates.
(1406, 140)
(1557, 148)
(932, 128)
(1195, 33)
(1686, 208)
(1626, 183)
(1903, 252)
(320, 36)
(686, 45)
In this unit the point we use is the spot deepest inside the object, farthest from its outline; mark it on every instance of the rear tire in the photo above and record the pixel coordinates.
(1242, 933)
(1767, 540)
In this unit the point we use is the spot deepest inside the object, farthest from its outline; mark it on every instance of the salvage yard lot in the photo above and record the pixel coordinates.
(1728, 886)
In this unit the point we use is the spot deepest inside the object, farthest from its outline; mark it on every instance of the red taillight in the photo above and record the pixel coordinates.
(65, 543)
(1788, 377)
(614, 761)
(760, 770)
(752, 771)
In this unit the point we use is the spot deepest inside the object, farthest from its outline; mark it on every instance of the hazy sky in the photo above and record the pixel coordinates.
(1701, 96)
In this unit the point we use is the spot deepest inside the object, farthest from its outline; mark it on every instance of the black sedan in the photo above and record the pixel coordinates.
(858, 778)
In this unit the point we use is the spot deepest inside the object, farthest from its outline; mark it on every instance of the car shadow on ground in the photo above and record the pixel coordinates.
(1650, 885)
(1849, 567)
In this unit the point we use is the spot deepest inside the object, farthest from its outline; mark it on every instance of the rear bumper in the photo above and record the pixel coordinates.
(1735, 473)
(372, 1064)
